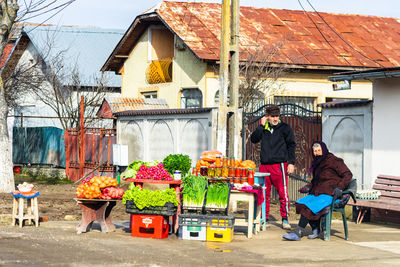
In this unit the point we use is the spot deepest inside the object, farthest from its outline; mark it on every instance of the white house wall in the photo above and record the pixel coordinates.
(30, 105)
(153, 137)
(347, 131)
(386, 127)
(302, 85)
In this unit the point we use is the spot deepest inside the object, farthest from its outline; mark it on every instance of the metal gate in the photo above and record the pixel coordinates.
(307, 128)
(94, 154)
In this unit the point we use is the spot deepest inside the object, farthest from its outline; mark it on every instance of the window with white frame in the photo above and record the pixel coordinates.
(191, 98)
(151, 94)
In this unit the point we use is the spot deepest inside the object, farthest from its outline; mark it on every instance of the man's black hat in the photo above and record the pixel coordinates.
(272, 110)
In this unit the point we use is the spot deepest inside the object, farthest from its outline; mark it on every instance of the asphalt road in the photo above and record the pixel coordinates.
(57, 244)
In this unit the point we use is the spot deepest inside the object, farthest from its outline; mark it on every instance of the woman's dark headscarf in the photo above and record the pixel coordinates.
(315, 167)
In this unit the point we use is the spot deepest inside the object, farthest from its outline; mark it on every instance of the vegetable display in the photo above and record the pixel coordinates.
(134, 167)
(154, 172)
(217, 195)
(94, 188)
(145, 198)
(112, 193)
(194, 190)
(177, 162)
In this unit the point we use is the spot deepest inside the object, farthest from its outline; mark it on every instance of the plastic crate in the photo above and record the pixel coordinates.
(149, 226)
(168, 209)
(193, 226)
(192, 210)
(220, 228)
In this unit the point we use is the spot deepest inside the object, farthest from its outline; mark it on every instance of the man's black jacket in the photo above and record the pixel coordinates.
(276, 147)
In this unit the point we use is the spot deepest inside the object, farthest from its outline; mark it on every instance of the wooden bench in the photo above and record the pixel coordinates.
(389, 187)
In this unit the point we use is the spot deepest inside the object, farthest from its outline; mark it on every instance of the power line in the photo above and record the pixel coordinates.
(323, 36)
(341, 36)
(61, 8)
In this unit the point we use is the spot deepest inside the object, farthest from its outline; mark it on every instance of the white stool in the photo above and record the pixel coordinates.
(32, 211)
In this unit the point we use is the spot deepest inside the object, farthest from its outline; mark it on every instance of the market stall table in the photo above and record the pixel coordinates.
(172, 184)
(95, 210)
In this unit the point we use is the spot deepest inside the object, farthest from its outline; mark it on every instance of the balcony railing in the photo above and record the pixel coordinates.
(159, 71)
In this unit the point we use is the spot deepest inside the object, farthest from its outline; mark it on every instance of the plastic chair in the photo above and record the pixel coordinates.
(338, 205)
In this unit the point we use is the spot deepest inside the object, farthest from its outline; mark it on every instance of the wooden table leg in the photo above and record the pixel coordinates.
(257, 221)
(251, 216)
(108, 225)
(96, 211)
(175, 224)
(14, 212)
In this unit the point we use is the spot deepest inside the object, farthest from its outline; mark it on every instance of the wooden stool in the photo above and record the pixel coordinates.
(32, 211)
(250, 222)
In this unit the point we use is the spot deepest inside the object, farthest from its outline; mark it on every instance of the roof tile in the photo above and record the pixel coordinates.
(198, 25)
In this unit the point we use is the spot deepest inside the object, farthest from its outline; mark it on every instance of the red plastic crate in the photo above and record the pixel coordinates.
(150, 226)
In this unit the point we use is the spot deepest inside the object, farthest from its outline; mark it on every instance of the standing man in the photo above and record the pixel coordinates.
(277, 157)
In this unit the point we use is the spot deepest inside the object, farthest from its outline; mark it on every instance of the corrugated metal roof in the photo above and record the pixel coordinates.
(341, 104)
(86, 47)
(162, 112)
(119, 104)
(378, 73)
(198, 25)
(112, 105)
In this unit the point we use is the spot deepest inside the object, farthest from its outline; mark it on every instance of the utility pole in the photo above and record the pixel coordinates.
(229, 78)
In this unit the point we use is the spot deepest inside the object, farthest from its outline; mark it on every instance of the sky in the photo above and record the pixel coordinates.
(119, 14)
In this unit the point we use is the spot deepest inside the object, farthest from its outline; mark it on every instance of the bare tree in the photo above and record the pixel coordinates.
(48, 78)
(259, 76)
(10, 13)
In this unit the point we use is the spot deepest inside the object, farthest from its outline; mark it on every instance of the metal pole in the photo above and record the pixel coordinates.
(81, 155)
(235, 119)
(223, 77)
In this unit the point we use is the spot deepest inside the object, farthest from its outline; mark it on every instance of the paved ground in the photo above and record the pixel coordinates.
(56, 243)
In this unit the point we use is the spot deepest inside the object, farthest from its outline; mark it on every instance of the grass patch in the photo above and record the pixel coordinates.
(19, 179)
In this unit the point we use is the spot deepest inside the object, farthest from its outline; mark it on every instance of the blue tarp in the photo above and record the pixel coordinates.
(39, 145)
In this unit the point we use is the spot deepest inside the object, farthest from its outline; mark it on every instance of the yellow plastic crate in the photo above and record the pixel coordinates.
(219, 234)
(220, 229)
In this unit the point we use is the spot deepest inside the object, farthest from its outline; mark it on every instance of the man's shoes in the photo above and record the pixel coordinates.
(292, 237)
(267, 224)
(315, 234)
(286, 225)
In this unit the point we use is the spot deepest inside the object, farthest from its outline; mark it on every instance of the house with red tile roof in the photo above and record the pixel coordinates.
(171, 51)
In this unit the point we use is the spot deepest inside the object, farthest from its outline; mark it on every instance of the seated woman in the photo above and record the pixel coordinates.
(330, 177)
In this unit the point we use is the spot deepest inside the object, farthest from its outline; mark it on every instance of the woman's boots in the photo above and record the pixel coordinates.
(295, 235)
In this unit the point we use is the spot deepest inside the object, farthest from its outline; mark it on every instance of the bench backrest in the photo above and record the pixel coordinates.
(389, 187)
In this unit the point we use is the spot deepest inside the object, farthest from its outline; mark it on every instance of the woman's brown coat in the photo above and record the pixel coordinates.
(334, 174)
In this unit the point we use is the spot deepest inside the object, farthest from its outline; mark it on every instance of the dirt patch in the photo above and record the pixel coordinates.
(57, 201)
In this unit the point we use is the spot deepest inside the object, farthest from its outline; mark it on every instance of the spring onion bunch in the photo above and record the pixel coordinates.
(217, 195)
(194, 190)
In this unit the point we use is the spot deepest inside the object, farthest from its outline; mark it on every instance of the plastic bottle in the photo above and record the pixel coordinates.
(250, 177)
(195, 171)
